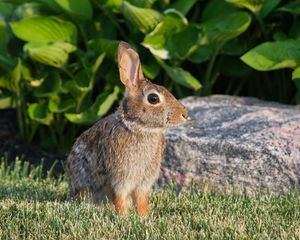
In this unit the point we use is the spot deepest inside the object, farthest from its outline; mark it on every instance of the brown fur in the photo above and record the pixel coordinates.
(119, 157)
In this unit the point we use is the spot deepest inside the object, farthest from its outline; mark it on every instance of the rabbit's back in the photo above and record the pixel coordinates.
(111, 157)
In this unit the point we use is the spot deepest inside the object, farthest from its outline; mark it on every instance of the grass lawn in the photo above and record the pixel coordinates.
(36, 208)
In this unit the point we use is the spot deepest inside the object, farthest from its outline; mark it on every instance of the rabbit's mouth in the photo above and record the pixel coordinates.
(172, 121)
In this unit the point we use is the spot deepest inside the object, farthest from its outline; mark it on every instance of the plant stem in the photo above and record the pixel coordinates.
(207, 85)
(67, 72)
(24, 113)
(111, 18)
(34, 127)
(262, 25)
(179, 91)
(85, 40)
(19, 116)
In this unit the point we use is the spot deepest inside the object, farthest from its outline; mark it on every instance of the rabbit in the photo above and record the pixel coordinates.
(119, 157)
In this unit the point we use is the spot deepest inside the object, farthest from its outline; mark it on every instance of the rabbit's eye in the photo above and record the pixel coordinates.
(153, 98)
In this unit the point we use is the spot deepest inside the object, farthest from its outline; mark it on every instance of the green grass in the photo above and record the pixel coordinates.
(32, 207)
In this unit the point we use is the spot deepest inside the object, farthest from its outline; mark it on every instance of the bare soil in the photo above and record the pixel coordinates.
(12, 146)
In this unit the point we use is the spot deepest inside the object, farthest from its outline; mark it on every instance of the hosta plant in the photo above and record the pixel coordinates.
(58, 57)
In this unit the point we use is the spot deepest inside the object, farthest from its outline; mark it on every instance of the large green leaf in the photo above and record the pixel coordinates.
(217, 8)
(261, 7)
(49, 86)
(184, 6)
(44, 29)
(273, 55)
(80, 87)
(26, 73)
(253, 5)
(181, 76)
(107, 46)
(292, 7)
(39, 113)
(218, 31)
(97, 64)
(6, 102)
(61, 103)
(156, 41)
(103, 27)
(112, 77)
(101, 106)
(111, 4)
(145, 19)
(51, 5)
(82, 80)
(142, 3)
(187, 39)
(52, 53)
(150, 67)
(3, 38)
(12, 79)
(202, 54)
(235, 47)
(82, 96)
(296, 74)
(71, 87)
(82, 9)
(6, 9)
(268, 6)
(6, 63)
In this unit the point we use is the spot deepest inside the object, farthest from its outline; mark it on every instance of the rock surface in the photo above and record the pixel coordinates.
(236, 143)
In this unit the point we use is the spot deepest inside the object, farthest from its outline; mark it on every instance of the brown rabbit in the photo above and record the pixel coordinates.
(119, 157)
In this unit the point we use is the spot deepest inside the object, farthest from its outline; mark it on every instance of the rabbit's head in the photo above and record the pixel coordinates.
(146, 104)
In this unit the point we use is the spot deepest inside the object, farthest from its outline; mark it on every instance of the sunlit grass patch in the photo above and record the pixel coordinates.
(33, 207)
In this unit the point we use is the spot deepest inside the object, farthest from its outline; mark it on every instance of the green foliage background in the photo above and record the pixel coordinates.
(58, 57)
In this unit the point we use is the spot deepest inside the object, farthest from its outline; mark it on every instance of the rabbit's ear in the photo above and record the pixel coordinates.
(130, 67)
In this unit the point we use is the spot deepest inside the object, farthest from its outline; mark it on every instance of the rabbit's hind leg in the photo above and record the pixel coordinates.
(120, 195)
(119, 200)
(140, 202)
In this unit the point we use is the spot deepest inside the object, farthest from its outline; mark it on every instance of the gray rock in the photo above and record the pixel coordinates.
(236, 143)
